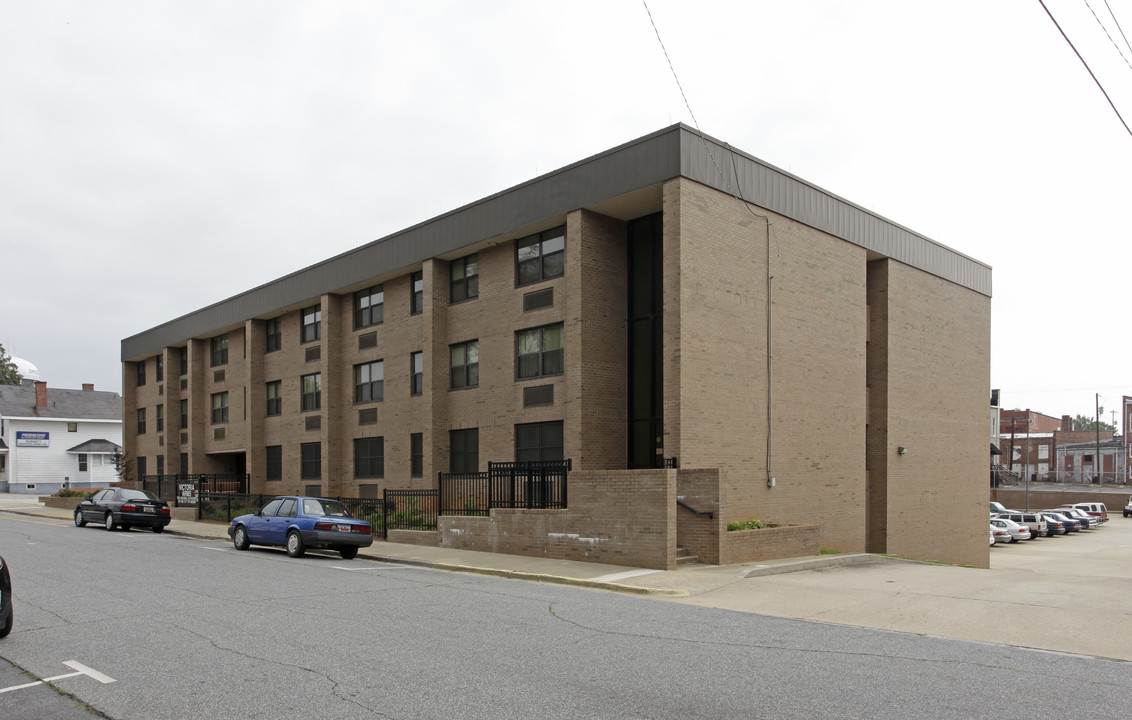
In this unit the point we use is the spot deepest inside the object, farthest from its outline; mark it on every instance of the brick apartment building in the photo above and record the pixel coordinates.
(800, 359)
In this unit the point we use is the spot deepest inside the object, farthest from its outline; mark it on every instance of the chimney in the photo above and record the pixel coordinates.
(88, 386)
(40, 394)
(1066, 423)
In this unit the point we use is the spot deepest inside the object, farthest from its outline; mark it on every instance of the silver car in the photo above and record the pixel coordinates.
(1017, 532)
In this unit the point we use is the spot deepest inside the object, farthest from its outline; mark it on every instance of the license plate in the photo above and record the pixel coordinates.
(148, 509)
(343, 528)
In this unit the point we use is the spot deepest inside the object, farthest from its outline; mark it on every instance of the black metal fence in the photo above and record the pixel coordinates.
(411, 509)
(504, 485)
(223, 506)
(178, 486)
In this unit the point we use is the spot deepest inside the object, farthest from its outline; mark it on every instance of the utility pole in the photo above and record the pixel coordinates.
(1099, 466)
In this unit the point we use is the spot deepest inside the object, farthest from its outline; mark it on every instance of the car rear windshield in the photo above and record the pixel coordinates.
(138, 495)
(331, 508)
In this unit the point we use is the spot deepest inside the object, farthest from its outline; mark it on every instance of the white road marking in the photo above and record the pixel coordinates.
(78, 667)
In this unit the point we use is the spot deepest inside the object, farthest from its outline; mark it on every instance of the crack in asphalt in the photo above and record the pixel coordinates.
(335, 684)
(813, 651)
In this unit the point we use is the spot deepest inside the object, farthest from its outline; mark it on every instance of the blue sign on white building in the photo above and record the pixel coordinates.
(25, 438)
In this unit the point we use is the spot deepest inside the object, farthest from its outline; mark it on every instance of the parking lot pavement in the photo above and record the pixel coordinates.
(22, 697)
(1065, 593)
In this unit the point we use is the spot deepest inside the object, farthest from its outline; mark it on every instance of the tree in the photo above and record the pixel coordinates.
(9, 373)
(123, 467)
(1081, 422)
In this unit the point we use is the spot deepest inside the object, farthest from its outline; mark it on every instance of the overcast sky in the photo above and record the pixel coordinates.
(157, 157)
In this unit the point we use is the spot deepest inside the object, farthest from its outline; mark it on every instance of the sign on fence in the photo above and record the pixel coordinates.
(186, 494)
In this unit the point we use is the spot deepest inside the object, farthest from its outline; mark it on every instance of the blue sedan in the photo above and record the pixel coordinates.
(300, 523)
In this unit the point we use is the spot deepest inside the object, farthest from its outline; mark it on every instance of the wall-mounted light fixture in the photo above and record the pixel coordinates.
(901, 450)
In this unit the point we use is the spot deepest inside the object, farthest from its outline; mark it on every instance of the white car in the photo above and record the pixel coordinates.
(999, 535)
(1017, 532)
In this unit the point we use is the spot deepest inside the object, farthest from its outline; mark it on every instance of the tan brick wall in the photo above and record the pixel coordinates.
(1015, 498)
(938, 386)
(716, 366)
(699, 533)
(595, 528)
(790, 541)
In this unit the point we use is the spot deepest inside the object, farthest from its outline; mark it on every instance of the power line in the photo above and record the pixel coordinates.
(1113, 16)
(1098, 82)
(1107, 34)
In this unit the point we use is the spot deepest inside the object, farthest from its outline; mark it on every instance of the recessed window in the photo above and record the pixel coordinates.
(416, 369)
(369, 457)
(273, 464)
(184, 414)
(464, 450)
(141, 373)
(141, 469)
(72, 427)
(273, 331)
(82, 462)
(465, 359)
(275, 397)
(417, 299)
(220, 407)
(537, 442)
(141, 421)
(369, 381)
(310, 461)
(465, 278)
(539, 352)
(160, 418)
(312, 391)
(184, 353)
(312, 323)
(159, 368)
(219, 353)
(416, 454)
(369, 307)
(540, 257)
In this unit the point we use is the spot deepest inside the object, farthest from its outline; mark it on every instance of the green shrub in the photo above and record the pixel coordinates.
(76, 492)
(751, 525)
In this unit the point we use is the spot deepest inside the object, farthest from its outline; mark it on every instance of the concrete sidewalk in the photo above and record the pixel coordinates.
(1064, 594)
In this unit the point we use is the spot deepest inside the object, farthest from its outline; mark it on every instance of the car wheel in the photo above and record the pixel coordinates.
(159, 529)
(240, 538)
(348, 553)
(295, 546)
(79, 521)
(109, 521)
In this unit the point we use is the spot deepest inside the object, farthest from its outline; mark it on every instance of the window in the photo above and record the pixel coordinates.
(539, 352)
(273, 329)
(273, 462)
(184, 352)
(541, 256)
(465, 278)
(369, 307)
(312, 391)
(160, 464)
(416, 362)
(141, 471)
(465, 358)
(369, 457)
(141, 421)
(72, 427)
(220, 408)
(312, 323)
(159, 368)
(160, 418)
(184, 414)
(538, 441)
(184, 462)
(82, 462)
(416, 454)
(310, 461)
(289, 508)
(141, 373)
(417, 299)
(275, 397)
(220, 350)
(464, 451)
(369, 381)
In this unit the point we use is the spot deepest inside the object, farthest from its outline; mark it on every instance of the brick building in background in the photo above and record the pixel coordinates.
(800, 359)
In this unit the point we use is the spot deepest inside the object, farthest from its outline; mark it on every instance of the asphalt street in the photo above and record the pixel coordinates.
(188, 627)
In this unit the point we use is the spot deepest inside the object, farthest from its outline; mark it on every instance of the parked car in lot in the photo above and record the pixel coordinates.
(1072, 524)
(999, 535)
(300, 523)
(1033, 520)
(1055, 525)
(5, 599)
(124, 508)
(1017, 532)
(1090, 520)
(1097, 510)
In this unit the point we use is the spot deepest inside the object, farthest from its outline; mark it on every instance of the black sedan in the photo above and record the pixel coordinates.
(5, 599)
(124, 508)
